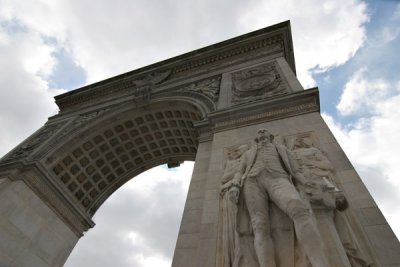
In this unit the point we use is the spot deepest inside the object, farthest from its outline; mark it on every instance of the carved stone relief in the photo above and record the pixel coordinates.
(70, 129)
(209, 88)
(271, 200)
(257, 83)
(140, 88)
(235, 55)
(326, 199)
(143, 87)
(33, 142)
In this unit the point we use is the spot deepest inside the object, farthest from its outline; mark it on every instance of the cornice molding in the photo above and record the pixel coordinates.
(222, 53)
(271, 109)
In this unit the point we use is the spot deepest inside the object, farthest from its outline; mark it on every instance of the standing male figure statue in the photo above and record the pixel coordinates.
(267, 175)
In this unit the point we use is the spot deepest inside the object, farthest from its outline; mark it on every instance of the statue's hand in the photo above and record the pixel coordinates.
(341, 201)
(234, 192)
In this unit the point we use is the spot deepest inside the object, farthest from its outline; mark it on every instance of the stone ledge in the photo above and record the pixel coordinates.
(271, 109)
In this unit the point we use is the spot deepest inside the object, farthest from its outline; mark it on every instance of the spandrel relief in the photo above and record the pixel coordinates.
(208, 88)
(268, 195)
(33, 142)
(257, 83)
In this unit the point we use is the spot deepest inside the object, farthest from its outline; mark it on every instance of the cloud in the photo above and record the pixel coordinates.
(326, 34)
(107, 39)
(361, 95)
(140, 222)
(26, 62)
(372, 142)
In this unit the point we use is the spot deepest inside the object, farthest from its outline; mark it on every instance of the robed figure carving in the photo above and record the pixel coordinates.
(328, 202)
(267, 196)
(266, 176)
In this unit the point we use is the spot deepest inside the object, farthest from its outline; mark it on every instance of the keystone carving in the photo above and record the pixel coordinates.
(143, 87)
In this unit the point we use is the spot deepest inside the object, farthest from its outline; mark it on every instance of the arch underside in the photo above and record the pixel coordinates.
(101, 158)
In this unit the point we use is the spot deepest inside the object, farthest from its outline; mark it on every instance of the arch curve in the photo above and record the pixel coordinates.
(99, 159)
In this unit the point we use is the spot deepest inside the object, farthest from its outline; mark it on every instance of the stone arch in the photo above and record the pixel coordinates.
(97, 160)
(193, 106)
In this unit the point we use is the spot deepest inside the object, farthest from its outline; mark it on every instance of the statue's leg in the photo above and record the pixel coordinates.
(257, 204)
(286, 197)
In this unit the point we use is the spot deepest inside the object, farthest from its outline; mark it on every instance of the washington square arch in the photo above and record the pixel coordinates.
(270, 186)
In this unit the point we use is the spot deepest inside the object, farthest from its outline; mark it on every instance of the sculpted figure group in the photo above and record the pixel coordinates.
(266, 196)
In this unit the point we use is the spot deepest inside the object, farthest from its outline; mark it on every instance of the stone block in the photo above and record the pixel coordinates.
(339, 160)
(5, 260)
(191, 216)
(12, 241)
(206, 252)
(372, 216)
(196, 190)
(51, 245)
(187, 241)
(385, 243)
(29, 259)
(211, 205)
(348, 176)
(190, 221)
(27, 221)
(358, 195)
(184, 257)
(201, 166)
(209, 217)
(211, 194)
(193, 204)
(189, 228)
(208, 230)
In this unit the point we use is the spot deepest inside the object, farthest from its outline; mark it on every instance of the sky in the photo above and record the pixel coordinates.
(348, 48)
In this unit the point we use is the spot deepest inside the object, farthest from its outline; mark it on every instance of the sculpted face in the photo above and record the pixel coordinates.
(235, 154)
(264, 136)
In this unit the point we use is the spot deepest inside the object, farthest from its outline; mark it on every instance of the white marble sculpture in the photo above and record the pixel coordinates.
(266, 172)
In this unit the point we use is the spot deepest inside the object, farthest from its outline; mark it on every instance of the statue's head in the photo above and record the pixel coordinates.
(263, 135)
(305, 142)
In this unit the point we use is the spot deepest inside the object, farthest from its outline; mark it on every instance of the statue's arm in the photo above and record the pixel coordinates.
(244, 166)
(323, 162)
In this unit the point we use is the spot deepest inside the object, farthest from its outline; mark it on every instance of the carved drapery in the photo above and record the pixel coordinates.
(325, 200)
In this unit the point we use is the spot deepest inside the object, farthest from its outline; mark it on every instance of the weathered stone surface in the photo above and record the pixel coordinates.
(199, 106)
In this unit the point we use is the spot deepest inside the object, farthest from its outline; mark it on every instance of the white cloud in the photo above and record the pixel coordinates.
(361, 94)
(372, 142)
(26, 99)
(326, 34)
(111, 38)
(140, 222)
